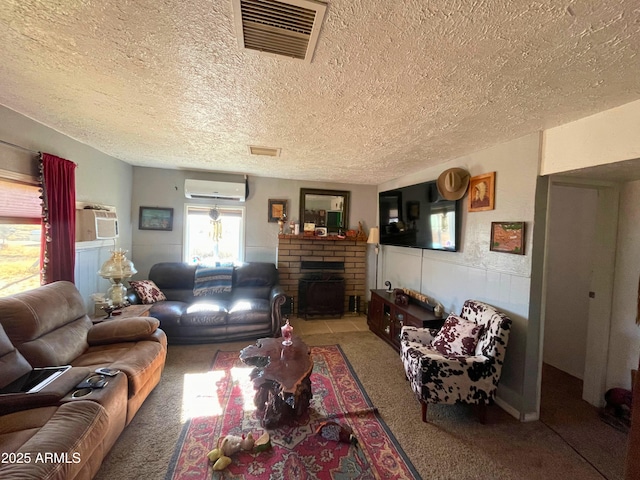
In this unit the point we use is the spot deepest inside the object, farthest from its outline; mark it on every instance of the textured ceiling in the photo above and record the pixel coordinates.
(394, 87)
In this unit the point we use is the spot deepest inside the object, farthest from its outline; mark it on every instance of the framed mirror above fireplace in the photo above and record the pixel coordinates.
(325, 208)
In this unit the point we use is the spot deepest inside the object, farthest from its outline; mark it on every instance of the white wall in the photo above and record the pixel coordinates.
(606, 137)
(624, 340)
(165, 188)
(500, 279)
(570, 246)
(100, 178)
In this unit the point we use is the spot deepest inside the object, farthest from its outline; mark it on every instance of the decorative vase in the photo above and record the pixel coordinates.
(287, 332)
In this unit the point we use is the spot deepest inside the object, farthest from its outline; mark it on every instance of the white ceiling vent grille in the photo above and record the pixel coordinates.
(289, 27)
(266, 151)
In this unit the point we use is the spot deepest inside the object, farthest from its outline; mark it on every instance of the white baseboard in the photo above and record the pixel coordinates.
(531, 417)
(523, 417)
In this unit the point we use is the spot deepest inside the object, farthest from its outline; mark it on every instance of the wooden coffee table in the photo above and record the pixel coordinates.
(281, 377)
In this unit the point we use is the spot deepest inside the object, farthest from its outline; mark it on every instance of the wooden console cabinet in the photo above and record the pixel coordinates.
(386, 319)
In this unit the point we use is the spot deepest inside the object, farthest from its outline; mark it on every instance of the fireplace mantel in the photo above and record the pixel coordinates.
(331, 238)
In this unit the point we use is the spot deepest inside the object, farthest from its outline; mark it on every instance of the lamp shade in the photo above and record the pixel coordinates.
(374, 235)
(118, 266)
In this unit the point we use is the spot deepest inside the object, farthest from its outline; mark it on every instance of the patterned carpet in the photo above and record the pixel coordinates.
(298, 452)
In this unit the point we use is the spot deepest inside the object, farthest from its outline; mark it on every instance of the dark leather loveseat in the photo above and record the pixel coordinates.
(252, 309)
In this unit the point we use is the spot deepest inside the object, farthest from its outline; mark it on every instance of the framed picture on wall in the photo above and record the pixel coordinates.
(156, 218)
(277, 210)
(507, 237)
(482, 192)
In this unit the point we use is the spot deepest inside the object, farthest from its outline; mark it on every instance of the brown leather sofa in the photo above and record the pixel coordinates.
(252, 308)
(52, 434)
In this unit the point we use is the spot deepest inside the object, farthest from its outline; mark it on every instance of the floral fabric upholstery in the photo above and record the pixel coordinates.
(439, 378)
(148, 291)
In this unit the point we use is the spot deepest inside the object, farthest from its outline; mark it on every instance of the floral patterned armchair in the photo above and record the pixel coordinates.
(460, 363)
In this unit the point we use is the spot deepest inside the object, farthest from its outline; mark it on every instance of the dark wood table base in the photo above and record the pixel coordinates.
(282, 379)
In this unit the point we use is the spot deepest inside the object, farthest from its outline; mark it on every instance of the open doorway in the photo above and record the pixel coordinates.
(580, 264)
(570, 249)
(582, 219)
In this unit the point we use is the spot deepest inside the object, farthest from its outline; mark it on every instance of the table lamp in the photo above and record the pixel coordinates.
(117, 269)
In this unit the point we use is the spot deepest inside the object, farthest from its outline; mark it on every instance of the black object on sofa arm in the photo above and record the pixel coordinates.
(252, 309)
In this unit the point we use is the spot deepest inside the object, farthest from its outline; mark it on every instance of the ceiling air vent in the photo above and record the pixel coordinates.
(266, 151)
(289, 27)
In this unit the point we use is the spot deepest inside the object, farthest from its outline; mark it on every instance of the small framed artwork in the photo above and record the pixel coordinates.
(507, 237)
(277, 210)
(156, 218)
(482, 192)
(321, 231)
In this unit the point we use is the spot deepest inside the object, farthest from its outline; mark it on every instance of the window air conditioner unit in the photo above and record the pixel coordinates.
(96, 225)
(234, 190)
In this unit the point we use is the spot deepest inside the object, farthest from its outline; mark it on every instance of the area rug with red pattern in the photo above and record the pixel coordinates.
(222, 404)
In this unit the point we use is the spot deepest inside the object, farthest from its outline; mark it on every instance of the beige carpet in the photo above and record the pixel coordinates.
(452, 445)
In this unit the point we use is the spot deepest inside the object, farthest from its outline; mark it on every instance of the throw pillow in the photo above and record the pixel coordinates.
(148, 291)
(457, 337)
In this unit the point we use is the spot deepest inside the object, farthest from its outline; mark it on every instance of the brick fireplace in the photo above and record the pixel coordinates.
(297, 253)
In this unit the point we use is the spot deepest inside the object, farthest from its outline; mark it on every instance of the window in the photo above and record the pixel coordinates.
(20, 232)
(214, 235)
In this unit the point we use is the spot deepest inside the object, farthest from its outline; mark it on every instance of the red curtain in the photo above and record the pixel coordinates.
(58, 247)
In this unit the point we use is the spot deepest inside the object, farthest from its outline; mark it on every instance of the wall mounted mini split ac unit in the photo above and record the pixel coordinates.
(226, 190)
(96, 225)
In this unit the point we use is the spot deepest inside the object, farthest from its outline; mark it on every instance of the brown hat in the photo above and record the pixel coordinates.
(453, 183)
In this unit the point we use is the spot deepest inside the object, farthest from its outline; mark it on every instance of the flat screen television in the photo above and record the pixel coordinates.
(417, 216)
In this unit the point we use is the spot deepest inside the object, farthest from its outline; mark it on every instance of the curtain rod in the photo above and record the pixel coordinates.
(27, 149)
(19, 147)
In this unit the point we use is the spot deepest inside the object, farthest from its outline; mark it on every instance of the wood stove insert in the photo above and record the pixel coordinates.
(321, 292)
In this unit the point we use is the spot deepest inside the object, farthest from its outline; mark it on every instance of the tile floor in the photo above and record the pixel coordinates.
(315, 325)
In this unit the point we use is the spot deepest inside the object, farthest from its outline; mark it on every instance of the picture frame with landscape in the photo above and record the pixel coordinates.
(507, 237)
(156, 218)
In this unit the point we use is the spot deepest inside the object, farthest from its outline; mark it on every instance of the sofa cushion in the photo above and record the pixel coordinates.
(205, 313)
(248, 311)
(48, 325)
(78, 429)
(254, 280)
(173, 275)
(255, 274)
(138, 360)
(122, 330)
(457, 337)
(147, 291)
(168, 312)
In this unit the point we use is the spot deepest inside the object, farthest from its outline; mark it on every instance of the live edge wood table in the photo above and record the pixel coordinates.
(281, 377)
